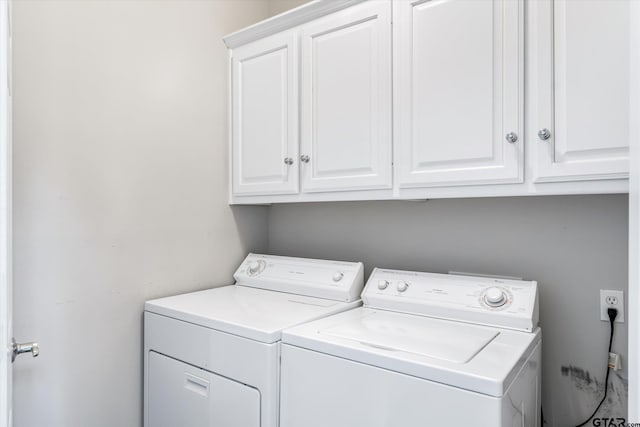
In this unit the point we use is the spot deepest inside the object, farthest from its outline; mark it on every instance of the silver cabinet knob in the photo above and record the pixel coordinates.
(544, 134)
(511, 137)
(31, 347)
(304, 158)
(288, 161)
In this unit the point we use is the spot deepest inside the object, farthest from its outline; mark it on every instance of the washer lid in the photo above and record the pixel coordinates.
(423, 336)
(473, 357)
(252, 313)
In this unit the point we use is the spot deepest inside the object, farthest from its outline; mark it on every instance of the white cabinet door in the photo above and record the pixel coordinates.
(346, 99)
(458, 92)
(265, 116)
(580, 89)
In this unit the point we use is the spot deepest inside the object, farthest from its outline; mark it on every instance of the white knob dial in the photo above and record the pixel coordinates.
(337, 276)
(382, 284)
(255, 267)
(495, 296)
(402, 286)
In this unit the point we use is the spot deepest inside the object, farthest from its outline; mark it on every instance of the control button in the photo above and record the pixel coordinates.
(402, 286)
(337, 276)
(255, 268)
(495, 296)
(382, 284)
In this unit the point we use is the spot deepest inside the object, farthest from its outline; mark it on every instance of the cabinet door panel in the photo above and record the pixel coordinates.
(346, 99)
(583, 89)
(458, 82)
(265, 116)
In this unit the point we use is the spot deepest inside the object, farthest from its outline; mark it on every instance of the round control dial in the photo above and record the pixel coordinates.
(337, 276)
(402, 286)
(255, 267)
(495, 296)
(383, 284)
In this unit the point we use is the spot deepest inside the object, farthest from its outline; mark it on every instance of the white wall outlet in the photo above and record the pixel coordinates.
(611, 299)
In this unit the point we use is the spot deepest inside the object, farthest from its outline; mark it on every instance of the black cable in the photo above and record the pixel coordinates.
(613, 313)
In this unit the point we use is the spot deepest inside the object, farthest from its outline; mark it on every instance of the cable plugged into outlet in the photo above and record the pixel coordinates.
(614, 361)
(612, 314)
(611, 299)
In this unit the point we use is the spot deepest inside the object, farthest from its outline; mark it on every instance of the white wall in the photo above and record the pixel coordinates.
(572, 245)
(120, 175)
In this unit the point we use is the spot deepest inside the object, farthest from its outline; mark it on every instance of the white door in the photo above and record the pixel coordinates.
(458, 99)
(346, 100)
(265, 116)
(5, 220)
(9, 349)
(581, 89)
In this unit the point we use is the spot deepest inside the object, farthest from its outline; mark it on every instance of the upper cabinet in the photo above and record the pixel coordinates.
(458, 92)
(418, 99)
(345, 106)
(580, 126)
(264, 131)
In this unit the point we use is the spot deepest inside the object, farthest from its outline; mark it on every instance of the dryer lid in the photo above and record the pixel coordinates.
(423, 336)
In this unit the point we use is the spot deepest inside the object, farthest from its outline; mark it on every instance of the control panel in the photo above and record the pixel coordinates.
(491, 301)
(336, 280)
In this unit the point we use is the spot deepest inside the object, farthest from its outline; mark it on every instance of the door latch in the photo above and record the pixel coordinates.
(30, 347)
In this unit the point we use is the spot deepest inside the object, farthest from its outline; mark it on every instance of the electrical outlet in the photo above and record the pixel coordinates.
(611, 299)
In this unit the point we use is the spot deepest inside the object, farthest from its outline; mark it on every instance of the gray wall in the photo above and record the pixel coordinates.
(279, 6)
(572, 245)
(120, 174)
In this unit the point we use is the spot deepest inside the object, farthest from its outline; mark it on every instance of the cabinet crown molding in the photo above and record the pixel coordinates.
(292, 18)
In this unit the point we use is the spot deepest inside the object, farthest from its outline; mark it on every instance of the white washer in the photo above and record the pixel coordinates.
(212, 358)
(425, 350)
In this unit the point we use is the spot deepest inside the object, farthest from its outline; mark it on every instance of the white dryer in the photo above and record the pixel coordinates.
(424, 350)
(212, 358)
